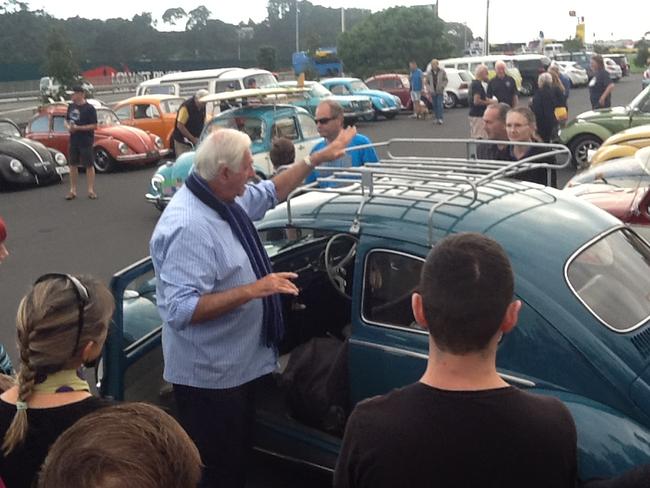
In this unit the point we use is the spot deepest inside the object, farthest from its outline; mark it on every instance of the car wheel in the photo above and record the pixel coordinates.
(104, 162)
(580, 147)
(391, 115)
(450, 100)
(527, 88)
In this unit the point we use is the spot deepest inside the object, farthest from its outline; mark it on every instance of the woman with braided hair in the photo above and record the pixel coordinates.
(62, 324)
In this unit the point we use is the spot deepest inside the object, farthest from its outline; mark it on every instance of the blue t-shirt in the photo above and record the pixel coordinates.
(416, 79)
(351, 158)
(597, 87)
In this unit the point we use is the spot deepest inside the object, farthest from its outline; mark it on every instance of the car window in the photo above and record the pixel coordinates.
(339, 90)
(123, 113)
(285, 127)
(222, 86)
(145, 111)
(374, 84)
(389, 281)
(462, 66)
(40, 124)
(171, 106)
(58, 124)
(107, 117)
(611, 277)
(252, 126)
(406, 83)
(282, 239)
(465, 76)
(160, 90)
(391, 83)
(308, 126)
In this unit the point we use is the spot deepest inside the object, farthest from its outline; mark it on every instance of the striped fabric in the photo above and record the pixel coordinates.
(195, 253)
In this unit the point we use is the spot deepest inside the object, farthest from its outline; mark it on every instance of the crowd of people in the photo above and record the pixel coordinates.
(219, 301)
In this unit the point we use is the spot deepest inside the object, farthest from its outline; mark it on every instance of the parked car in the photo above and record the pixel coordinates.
(383, 102)
(262, 123)
(574, 71)
(583, 329)
(470, 64)
(355, 107)
(645, 80)
(114, 144)
(581, 58)
(621, 60)
(25, 163)
(155, 114)
(457, 89)
(625, 143)
(394, 83)
(588, 130)
(614, 70)
(530, 66)
(623, 172)
(51, 88)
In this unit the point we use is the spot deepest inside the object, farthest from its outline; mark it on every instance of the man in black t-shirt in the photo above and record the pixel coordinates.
(478, 101)
(494, 123)
(461, 424)
(81, 120)
(503, 86)
(601, 85)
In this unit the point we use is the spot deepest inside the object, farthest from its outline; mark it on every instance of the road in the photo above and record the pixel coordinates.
(99, 237)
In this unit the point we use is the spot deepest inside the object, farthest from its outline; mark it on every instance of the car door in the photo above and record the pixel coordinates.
(309, 136)
(641, 115)
(147, 116)
(39, 130)
(59, 136)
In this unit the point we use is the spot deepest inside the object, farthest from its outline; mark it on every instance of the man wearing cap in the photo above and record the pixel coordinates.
(81, 120)
(189, 123)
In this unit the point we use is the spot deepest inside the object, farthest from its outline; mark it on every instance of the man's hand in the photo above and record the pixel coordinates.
(275, 283)
(336, 148)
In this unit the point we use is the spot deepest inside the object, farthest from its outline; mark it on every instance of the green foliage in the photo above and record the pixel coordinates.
(573, 44)
(172, 15)
(197, 18)
(600, 49)
(60, 62)
(266, 58)
(642, 56)
(389, 39)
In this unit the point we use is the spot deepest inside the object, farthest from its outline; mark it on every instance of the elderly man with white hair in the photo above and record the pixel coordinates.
(503, 86)
(189, 123)
(218, 296)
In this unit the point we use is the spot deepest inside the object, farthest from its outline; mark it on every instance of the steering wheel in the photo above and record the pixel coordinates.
(336, 272)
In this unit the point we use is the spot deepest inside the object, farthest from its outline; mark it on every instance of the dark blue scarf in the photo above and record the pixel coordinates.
(243, 228)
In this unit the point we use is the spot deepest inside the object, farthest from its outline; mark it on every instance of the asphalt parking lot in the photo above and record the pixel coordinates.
(50, 234)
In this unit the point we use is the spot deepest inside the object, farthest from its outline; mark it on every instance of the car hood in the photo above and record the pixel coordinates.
(134, 137)
(638, 132)
(619, 202)
(349, 98)
(25, 150)
(375, 93)
(604, 113)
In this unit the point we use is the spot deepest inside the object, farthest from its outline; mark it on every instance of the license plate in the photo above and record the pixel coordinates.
(63, 170)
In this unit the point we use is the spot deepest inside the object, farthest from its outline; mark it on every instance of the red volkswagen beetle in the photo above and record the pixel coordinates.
(395, 84)
(115, 144)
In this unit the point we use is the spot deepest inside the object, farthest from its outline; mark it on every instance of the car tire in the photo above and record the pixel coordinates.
(103, 162)
(450, 100)
(579, 147)
(390, 115)
(527, 88)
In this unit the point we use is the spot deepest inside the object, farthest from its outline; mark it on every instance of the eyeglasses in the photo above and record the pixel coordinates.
(83, 298)
(324, 120)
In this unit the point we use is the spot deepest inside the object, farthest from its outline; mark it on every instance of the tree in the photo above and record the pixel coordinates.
(60, 62)
(266, 58)
(172, 15)
(388, 40)
(573, 44)
(197, 18)
(642, 55)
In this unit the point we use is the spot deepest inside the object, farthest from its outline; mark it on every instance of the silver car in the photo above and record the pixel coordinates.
(458, 87)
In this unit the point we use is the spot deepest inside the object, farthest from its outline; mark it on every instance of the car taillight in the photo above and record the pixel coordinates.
(463, 86)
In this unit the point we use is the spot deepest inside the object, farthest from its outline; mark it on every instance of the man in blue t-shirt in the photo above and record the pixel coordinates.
(415, 80)
(329, 120)
(81, 120)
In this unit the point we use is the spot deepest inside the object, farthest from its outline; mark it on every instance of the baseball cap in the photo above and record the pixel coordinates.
(78, 89)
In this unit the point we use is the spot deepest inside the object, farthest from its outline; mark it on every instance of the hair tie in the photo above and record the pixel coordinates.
(21, 406)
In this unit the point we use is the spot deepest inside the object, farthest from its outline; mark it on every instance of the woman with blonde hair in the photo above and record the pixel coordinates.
(543, 106)
(62, 324)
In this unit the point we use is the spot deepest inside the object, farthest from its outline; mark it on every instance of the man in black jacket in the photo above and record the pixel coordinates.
(189, 123)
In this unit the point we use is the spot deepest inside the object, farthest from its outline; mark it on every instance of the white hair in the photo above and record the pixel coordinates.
(201, 93)
(223, 147)
(479, 69)
(500, 63)
(544, 79)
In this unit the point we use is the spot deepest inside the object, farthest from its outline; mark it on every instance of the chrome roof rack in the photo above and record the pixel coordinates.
(439, 181)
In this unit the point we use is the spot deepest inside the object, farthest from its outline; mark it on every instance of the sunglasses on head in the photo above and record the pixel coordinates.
(83, 298)
(324, 120)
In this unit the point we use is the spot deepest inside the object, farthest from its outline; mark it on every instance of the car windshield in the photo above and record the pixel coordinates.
(611, 276)
(253, 126)
(465, 76)
(106, 116)
(171, 106)
(261, 80)
(358, 85)
(318, 90)
(282, 239)
(641, 99)
(7, 129)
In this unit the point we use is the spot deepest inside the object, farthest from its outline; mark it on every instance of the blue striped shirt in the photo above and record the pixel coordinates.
(195, 253)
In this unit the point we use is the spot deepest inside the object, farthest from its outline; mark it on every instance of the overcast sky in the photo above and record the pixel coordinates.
(517, 21)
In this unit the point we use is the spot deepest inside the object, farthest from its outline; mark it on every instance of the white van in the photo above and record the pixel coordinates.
(186, 84)
(553, 49)
(470, 63)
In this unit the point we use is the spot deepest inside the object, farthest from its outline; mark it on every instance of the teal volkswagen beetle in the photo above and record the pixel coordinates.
(384, 103)
(262, 122)
(588, 130)
(583, 334)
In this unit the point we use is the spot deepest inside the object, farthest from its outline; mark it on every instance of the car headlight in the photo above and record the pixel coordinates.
(123, 148)
(16, 166)
(59, 158)
(382, 102)
(157, 181)
(158, 142)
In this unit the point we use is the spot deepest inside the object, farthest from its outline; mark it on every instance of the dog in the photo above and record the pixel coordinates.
(421, 110)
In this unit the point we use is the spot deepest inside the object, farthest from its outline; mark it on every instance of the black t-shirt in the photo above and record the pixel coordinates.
(476, 88)
(19, 469)
(82, 115)
(504, 89)
(488, 150)
(419, 436)
(597, 87)
(537, 175)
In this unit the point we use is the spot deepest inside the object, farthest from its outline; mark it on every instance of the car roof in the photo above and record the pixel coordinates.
(343, 79)
(262, 109)
(148, 98)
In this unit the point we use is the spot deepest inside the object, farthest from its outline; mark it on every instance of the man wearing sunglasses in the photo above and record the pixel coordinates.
(329, 121)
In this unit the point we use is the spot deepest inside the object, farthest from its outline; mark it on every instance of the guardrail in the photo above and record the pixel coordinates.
(29, 95)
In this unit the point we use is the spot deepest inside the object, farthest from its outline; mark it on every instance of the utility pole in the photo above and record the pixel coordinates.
(297, 29)
(486, 47)
(342, 19)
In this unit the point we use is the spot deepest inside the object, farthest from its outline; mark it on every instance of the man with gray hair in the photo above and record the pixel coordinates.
(478, 101)
(218, 297)
(437, 82)
(503, 86)
(189, 123)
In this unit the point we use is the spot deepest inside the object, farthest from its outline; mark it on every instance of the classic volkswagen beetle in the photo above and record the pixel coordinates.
(583, 334)
(624, 143)
(114, 143)
(25, 163)
(588, 130)
(384, 103)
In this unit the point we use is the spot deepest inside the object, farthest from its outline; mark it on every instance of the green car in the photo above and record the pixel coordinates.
(588, 130)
